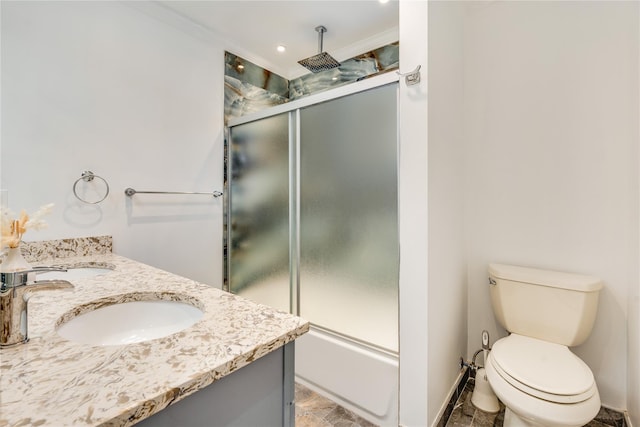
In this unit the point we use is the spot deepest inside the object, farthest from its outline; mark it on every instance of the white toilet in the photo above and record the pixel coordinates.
(532, 371)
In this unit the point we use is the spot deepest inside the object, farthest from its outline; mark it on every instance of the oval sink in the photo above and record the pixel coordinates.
(130, 322)
(78, 271)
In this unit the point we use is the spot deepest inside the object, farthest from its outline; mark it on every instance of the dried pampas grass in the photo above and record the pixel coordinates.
(13, 229)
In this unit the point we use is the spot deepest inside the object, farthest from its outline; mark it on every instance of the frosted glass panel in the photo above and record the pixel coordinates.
(348, 216)
(258, 242)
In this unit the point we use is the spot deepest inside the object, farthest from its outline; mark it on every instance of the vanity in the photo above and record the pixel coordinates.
(232, 367)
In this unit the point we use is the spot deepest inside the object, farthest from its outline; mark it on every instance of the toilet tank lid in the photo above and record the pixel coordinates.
(555, 279)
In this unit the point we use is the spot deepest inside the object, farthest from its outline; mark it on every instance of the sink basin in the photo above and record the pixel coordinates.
(130, 322)
(78, 271)
(75, 273)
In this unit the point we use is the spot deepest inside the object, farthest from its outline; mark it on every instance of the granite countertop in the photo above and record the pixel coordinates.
(52, 381)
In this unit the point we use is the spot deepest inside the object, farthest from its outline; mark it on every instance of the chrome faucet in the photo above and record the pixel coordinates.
(15, 290)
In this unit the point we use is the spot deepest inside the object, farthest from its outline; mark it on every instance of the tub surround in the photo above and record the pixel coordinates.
(52, 381)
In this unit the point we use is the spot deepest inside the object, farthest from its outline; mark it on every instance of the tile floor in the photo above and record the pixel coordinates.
(466, 415)
(313, 410)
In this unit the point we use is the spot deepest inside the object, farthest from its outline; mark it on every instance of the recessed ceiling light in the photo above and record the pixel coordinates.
(281, 48)
(383, 1)
(240, 67)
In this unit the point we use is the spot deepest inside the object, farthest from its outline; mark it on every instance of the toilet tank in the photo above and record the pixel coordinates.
(548, 305)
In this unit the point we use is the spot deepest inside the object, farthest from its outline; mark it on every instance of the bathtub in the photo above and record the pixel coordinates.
(358, 377)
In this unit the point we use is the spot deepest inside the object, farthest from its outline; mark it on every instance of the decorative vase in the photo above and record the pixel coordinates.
(14, 261)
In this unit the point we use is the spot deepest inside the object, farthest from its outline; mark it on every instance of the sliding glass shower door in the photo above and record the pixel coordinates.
(258, 211)
(313, 214)
(348, 216)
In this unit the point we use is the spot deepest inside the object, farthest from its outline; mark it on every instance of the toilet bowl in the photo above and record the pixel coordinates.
(533, 371)
(541, 383)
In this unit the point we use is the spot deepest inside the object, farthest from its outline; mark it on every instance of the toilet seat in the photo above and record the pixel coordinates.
(542, 369)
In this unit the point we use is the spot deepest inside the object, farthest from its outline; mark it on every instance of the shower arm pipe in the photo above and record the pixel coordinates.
(321, 30)
(130, 192)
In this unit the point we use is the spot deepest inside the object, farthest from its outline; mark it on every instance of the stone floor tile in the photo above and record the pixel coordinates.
(313, 408)
(310, 420)
(466, 415)
(610, 417)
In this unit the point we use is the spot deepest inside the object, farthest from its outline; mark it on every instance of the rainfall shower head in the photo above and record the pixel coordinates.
(322, 61)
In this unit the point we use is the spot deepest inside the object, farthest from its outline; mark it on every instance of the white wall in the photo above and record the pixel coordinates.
(447, 299)
(101, 86)
(412, 218)
(633, 355)
(551, 134)
(433, 291)
(633, 359)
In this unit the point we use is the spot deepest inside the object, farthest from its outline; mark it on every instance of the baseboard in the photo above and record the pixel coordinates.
(455, 392)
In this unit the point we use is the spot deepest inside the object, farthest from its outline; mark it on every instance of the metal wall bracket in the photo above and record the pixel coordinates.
(412, 77)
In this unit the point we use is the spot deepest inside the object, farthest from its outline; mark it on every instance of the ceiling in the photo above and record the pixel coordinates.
(255, 28)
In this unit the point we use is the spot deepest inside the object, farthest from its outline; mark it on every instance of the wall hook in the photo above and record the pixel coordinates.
(412, 77)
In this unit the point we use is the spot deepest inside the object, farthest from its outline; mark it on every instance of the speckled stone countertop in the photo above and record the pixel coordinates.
(54, 382)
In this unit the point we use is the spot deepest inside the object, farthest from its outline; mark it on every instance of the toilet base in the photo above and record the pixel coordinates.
(511, 419)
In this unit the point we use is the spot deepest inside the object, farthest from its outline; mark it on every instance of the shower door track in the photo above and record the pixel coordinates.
(355, 341)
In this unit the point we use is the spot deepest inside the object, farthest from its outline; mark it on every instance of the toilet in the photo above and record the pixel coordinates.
(532, 371)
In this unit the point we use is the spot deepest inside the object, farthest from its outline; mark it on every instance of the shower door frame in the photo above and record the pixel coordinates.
(293, 110)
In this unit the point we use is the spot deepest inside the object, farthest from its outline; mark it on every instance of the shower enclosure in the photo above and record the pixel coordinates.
(312, 229)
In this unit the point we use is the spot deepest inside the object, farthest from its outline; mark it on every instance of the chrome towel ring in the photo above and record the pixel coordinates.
(88, 176)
